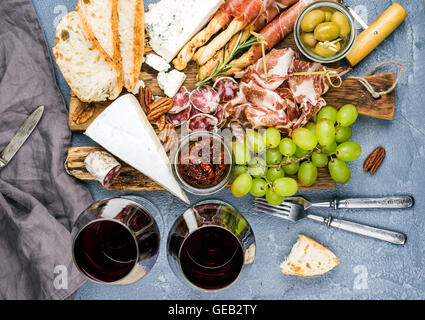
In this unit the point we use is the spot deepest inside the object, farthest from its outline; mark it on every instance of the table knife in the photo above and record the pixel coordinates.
(21, 136)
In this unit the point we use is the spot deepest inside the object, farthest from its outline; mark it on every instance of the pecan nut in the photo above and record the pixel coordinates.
(159, 108)
(83, 113)
(160, 122)
(145, 98)
(168, 137)
(374, 161)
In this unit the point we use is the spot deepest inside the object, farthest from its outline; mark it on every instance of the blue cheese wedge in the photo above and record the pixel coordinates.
(124, 131)
(172, 23)
(171, 82)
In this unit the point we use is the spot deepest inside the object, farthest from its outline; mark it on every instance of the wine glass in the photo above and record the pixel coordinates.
(210, 245)
(116, 240)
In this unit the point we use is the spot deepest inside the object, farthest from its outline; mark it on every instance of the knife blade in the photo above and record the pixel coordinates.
(21, 136)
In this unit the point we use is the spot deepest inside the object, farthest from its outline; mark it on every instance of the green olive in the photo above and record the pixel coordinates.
(328, 15)
(341, 20)
(324, 51)
(308, 39)
(326, 31)
(311, 20)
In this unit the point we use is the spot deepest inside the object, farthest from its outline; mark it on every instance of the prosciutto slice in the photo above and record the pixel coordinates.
(283, 100)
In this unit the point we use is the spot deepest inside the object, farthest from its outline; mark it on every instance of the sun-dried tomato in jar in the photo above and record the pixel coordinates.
(203, 164)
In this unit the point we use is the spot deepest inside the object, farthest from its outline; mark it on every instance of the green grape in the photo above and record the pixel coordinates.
(257, 169)
(273, 198)
(348, 151)
(327, 112)
(304, 138)
(300, 153)
(256, 141)
(259, 188)
(325, 132)
(241, 152)
(273, 156)
(291, 169)
(347, 115)
(343, 134)
(287, 147)
(339, 171)
(307, 174)
(238, 170)
(320, 160)
(311, 126)
(274, 173)
(285, 187)
(330, 149)
(272, 138)
(242, 185)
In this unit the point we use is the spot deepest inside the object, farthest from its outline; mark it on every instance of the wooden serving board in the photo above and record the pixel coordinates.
(132, 180)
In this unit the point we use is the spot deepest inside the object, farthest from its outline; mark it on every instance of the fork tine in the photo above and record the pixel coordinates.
(264, 201)
(273, 209)
(282, 216)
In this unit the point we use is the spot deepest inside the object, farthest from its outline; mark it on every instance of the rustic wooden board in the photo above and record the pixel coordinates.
(132, 180)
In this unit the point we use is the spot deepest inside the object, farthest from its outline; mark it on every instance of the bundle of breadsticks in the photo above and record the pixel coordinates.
(270, 20)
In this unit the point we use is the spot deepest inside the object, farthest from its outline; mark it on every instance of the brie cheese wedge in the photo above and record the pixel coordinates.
(124, 131)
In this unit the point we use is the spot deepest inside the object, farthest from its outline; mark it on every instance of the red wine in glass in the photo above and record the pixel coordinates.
(211, 258)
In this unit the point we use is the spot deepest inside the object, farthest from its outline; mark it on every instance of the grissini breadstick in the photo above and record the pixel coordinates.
(251, 10)
(220, 21)
(273, 33)
(258, 24)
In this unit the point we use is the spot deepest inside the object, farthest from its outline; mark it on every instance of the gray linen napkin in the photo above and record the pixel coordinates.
(39, 202)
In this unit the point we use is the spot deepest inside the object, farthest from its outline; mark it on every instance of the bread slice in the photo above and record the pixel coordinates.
(308, 258)
(132, 37)
(100, 17)
(90, 76)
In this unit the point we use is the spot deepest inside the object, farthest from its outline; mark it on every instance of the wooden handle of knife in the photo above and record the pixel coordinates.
(377, 32)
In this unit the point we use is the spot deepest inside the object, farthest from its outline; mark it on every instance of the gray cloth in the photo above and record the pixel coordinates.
(39, 202)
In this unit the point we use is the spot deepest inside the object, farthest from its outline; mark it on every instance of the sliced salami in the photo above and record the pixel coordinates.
(205, 99)
(227, 88)
(203, 122)
(103, 167)
(219, 114)
(193, 112)
(181, 101)
(179, 118)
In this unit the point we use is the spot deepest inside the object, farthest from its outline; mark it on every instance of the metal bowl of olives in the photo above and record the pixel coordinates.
(325, 31)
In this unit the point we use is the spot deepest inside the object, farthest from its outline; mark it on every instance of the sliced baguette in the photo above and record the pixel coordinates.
(90, 76)
(132, 37)
(101, 18)
(308, 258)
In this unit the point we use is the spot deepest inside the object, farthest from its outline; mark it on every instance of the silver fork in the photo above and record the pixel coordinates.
(395, 202)
(295, 212)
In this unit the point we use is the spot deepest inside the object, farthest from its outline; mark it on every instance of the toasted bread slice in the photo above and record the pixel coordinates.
(101, 18)
(90, 76)
(132, 37)
(308, 258)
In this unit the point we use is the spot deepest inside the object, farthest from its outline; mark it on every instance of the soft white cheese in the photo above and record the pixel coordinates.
(158, 63)
(171, 82)
(139, 84)
(172, 23)
(123, 130)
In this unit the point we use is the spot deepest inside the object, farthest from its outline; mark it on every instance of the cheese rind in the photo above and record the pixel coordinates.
(124, 131)
(172, 23)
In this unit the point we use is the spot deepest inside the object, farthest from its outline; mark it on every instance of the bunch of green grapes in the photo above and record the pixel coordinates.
(265, 160)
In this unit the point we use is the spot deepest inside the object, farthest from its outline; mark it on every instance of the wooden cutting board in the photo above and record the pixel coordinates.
(132, 180)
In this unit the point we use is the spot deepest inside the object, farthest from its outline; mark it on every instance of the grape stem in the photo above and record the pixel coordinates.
(287, 163)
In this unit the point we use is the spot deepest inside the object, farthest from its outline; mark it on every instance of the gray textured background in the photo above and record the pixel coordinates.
(368, 269)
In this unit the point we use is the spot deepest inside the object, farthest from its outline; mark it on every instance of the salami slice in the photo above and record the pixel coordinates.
(219, 114)
(203, 122)
(103, 167)
(205, 99)
(179, 118)
(181, 101)
(227, 88)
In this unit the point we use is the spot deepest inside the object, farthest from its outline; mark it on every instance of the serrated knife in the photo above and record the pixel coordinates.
(21, 136)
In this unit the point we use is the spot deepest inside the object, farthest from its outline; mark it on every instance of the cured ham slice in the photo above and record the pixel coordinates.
(285, 101)
(220, 21)
(273, 33)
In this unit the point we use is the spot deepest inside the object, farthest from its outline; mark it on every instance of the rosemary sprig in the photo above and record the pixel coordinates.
(224, 65)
